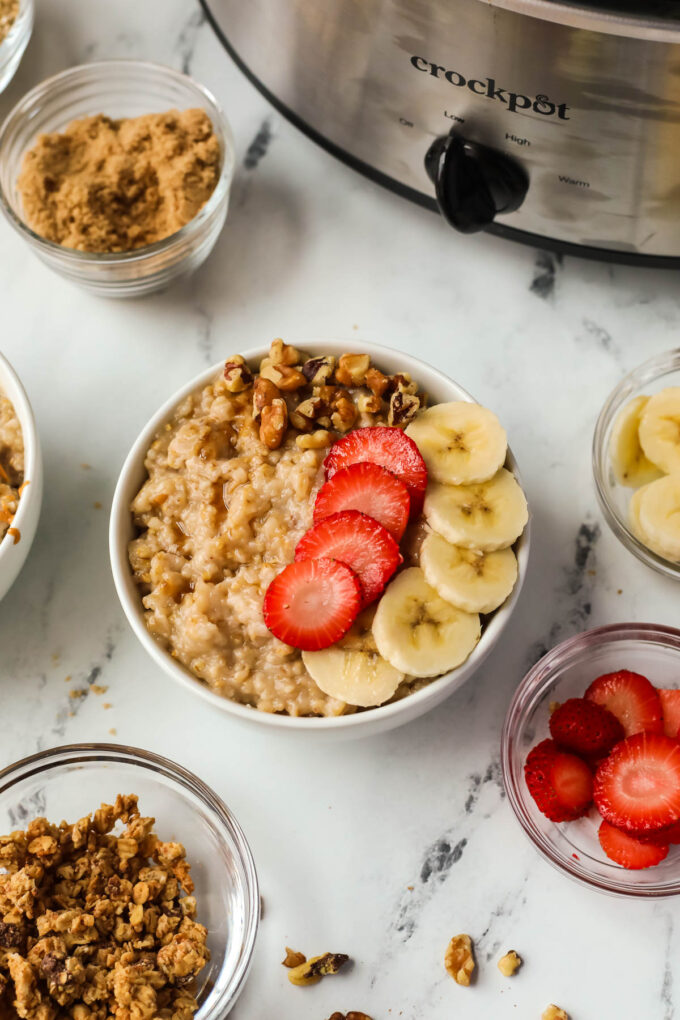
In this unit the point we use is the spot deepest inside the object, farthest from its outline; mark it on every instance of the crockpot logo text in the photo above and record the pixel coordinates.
(487, 87)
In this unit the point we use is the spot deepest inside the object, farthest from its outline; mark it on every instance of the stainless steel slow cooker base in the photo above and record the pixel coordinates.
(643, 206)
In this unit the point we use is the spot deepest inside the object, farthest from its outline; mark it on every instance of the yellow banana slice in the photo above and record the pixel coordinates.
(477, 582)
(357, 676)
(660, 429)
(420, 633)
(659, 516)
(460, 442)
(487, 516)
(630, 465)
(634, 516)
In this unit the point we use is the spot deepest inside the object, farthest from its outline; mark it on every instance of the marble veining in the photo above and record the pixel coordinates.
(382, 848)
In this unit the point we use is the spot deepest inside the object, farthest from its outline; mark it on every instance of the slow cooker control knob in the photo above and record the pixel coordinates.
(473, 183)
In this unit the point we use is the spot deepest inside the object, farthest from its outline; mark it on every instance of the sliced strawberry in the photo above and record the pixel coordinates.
(631, 698)
(369, 488)
(390, 448)
(585, 727)
(628, 851)
(560, 783)
(311, 604)
(670, 707)
(638, 786)
(660, 837)
(358, 541)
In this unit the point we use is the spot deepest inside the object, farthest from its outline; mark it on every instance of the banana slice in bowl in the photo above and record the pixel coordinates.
(658, 513)
(460, 442)
(630, 464)
(659, 429)
(475, 581)
(487, 516)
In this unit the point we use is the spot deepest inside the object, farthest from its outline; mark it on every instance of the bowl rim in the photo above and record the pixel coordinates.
(64, 754)
(131, 602)
(566, 652)
(221, 191)
(29, 432)
(651, 370)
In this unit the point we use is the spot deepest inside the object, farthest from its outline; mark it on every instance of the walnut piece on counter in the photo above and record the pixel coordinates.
(459, 959)
(352, 1015)
(311, 971)
(510, 963)
(553, 1012)
(293, 958)
(96, 924)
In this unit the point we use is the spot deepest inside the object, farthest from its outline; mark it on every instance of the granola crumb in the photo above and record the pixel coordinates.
(553, 1012)
(97, 505)
(292, 958)
(113, 731)
(99, 688)
(107, 704)
(459, 959)
(510, 963)
(77, 693)
(67, 679)
(553, 706)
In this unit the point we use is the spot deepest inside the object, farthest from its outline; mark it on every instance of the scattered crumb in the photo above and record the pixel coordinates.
(619, 591)
(459, 960)
(97, 505)
(67, 679)
(552, 1012)
(410, 888)
(99, 688)
(85, 466)
(553, 706)
(510, 963)
(77, 694)
(592, 573)
(55, 658)
(293, 958)
(113, 731)
(107, 704)
(311, 971)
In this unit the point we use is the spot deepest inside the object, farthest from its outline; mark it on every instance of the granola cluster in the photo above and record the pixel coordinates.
(95, 925)
(320, 395)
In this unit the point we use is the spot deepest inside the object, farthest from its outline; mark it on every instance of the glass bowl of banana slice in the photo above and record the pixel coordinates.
(636, 462)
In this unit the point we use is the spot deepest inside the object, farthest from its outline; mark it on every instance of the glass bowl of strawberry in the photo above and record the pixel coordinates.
(591, 758)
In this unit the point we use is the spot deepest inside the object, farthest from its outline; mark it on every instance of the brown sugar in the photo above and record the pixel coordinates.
(106, 185)
(9, 10)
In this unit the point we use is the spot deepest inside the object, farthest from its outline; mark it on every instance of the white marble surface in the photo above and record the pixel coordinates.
(383, 848)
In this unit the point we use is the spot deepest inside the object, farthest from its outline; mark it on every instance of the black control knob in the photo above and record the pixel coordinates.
(473, 182)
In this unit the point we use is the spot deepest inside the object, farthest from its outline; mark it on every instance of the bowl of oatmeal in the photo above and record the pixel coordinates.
(20, 476)
(233, 503)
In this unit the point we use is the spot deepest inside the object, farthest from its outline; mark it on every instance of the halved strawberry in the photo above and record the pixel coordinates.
(358, 541)
(560, 783)
(631, 698)
(670, 708)
(369, 488)
(311, 604)
(628, 851)
(390, 448)
(638, 786)
(585, 727)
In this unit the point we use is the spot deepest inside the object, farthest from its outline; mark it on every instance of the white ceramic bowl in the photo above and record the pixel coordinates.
(13, 553)
(374, 720)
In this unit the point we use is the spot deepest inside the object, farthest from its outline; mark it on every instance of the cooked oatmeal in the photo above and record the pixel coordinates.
(231, 481)
(95, 924)
(11, 464)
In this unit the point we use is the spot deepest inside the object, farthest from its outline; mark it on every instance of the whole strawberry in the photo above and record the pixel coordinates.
(585, 727)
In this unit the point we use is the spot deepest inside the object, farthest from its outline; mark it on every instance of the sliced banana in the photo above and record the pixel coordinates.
(659, 516)
(460, 442)
(630, 465)
(420, 633)
(356, 676)
(660, 429)
(475, 581)
(487, 516)
(634, 516)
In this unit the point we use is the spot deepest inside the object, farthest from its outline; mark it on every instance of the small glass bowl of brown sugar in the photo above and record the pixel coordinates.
(117, 173)
(16, 25)
(73, 781)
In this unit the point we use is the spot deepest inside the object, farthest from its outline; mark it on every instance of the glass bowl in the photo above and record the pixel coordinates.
(15, 42)
(614, 499)
(565, 672)
(118, 88)
(70, 782)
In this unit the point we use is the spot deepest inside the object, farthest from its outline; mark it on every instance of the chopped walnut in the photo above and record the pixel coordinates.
(265, 392)
(402, 383)
(273, 423)
(237, 375)
(293, 958)
(376, 382)
(287, 378)
(344, 415)
(352, 369)
(311, 971)
(100, 926)
(283, 354)
(318, 371)
(352, 1015)
(459, 960)
(510, 963)
(305, 414)
(552, 1012)
(403, 409)
(369, 403)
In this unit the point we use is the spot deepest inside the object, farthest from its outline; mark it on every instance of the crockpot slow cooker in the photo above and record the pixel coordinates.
(552, 123)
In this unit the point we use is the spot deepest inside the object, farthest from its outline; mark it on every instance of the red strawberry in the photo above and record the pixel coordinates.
(584, 727)
(670, 707)
(369, 488)
(560, 783)
(311, 604)
(390, 448)
(631, 698)
(359, 542)
(628, 851)
(638, 786)
(660, 837)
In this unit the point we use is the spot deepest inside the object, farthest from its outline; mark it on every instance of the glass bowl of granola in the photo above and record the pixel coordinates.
(255, 475)
(21, 476)
(147, 892)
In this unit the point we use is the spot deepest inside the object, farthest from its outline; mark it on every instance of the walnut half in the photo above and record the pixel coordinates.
(273, 423)
(553, 1012)
(510, 963)
(459, 960)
